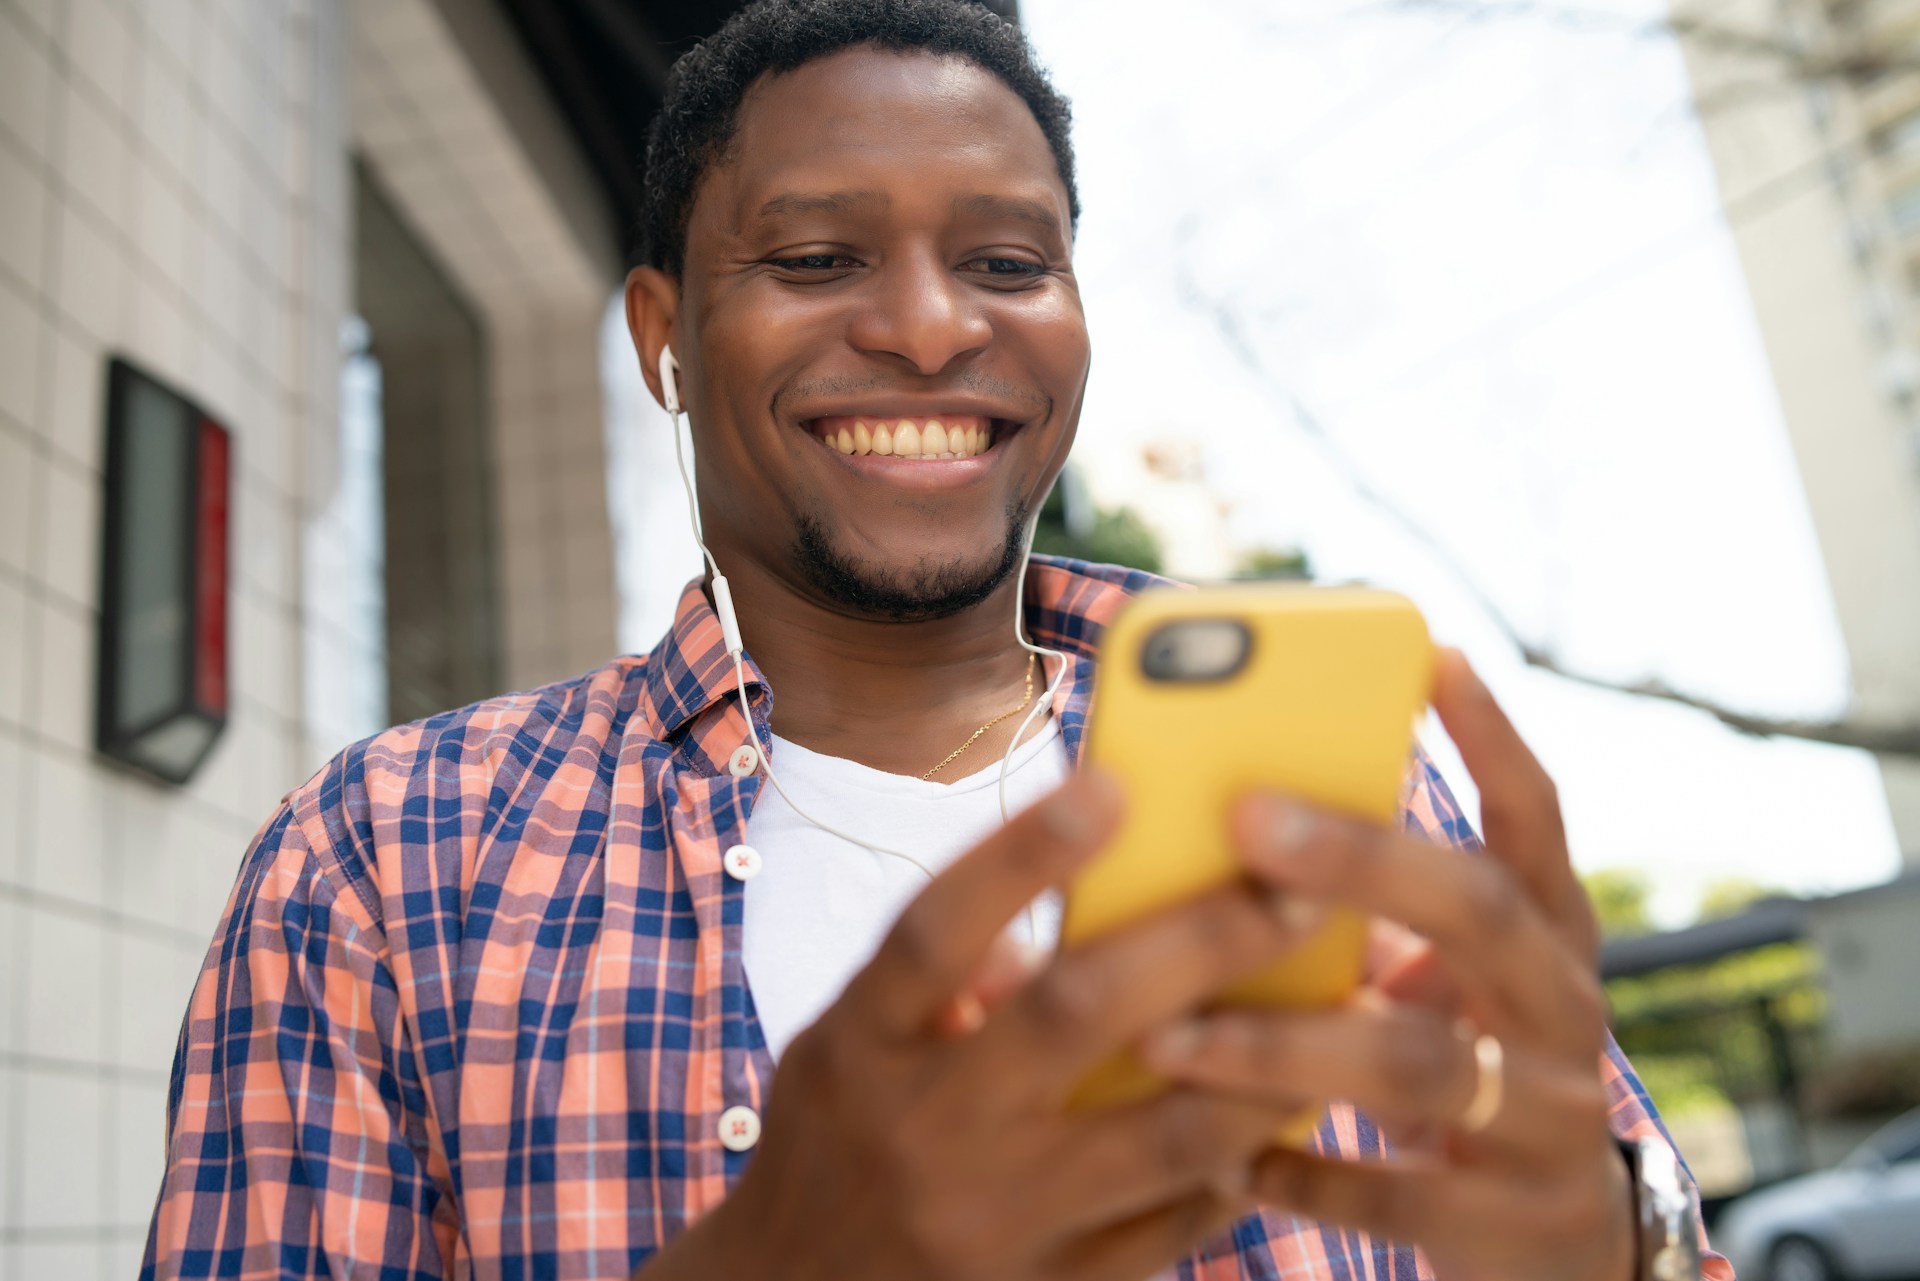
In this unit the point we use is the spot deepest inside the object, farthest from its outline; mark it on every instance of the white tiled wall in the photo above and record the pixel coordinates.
(172, 186)
(555, 542)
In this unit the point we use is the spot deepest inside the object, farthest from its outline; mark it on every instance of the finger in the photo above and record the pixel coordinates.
(1519, 804)
(1404, 966)
(1114, 1165)
(1514, 970)
(1419, 976)
(942, 937)
(1400, 1064)
(1406, 1067)
(1416, 1201)
(1468, 1222)
(1389, 943)
(1152, 1242)
(1101, 996)
(1404, 1201)
(1008, 964)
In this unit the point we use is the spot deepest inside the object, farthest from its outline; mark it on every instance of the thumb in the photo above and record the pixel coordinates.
(1006, 967)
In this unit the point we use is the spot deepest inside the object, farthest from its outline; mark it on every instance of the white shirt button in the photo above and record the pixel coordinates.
(739, 1129)
(743, 862)
(744, 761)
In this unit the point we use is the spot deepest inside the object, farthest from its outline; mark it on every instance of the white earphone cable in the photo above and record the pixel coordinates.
(1040, 652)
(766, 763)
(686, 481)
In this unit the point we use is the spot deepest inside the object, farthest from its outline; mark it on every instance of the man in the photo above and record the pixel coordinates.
(500, 994)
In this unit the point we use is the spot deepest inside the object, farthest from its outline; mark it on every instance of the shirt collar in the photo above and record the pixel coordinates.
(688, 675)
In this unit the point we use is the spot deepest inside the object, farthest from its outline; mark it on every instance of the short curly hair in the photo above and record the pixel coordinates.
(767, 37)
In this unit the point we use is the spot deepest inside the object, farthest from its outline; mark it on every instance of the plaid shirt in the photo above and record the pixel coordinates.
(477, 1003)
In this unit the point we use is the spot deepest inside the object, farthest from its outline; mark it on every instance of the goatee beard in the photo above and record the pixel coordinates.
(925, 592)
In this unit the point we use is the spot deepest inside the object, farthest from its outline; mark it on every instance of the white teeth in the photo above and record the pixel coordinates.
(909, 439)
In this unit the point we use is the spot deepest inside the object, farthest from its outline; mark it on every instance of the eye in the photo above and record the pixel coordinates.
(1014, 268)
(811, 263)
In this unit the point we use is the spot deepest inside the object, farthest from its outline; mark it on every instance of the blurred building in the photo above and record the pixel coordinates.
(1807, 1079)
(1812, 113)
(377, 240)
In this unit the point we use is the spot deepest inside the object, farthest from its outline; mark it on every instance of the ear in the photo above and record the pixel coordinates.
(653, 300)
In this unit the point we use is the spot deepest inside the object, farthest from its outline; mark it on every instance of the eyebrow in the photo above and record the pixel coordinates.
(819, 202)
(1013, 208)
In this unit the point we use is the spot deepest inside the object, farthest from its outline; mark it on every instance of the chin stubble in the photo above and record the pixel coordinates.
(913, 594)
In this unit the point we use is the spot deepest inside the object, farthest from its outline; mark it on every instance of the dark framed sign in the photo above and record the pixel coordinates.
(162, 676)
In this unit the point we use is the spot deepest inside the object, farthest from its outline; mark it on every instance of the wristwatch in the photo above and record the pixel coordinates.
(1665, 1214)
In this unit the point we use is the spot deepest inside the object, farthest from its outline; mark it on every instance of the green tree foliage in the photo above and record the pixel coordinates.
(1706, 1036)
(1619, 898)
(1115, 536)
(1730, 896)
(1275, 563)
(1787, 973)
(1742, 1027)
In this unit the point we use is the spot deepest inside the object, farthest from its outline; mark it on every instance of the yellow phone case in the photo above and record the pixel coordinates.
(1323, 708)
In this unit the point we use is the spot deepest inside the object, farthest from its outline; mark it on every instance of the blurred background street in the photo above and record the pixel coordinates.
(1592, 325)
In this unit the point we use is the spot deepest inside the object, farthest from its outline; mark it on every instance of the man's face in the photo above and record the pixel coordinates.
(885, 247)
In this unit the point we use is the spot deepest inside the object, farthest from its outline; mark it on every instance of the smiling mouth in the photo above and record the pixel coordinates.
(947, 437)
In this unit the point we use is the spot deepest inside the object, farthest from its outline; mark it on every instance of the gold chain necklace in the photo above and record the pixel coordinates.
(989, 725)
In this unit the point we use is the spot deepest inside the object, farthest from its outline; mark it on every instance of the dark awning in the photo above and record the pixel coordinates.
(1773, 920)
(606, 61)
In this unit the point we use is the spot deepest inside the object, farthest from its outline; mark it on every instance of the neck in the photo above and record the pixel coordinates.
(893, 696)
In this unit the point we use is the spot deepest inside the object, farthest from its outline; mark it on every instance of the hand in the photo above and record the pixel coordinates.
(1505, 942)
(901, 1141)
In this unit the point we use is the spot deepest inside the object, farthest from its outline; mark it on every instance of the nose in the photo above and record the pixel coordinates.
(918, 311)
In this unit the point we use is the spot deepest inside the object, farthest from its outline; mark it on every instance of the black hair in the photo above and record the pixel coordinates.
(707, 84)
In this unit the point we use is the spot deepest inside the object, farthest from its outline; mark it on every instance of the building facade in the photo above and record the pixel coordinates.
(1812, 112)
(367, 237)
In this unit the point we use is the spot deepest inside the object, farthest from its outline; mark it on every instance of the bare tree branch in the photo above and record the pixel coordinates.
(1880, 739)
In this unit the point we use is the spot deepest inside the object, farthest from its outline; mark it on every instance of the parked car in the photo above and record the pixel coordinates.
(1859, 1221)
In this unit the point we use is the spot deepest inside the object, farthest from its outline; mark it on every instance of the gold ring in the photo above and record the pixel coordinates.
(1489, 1085)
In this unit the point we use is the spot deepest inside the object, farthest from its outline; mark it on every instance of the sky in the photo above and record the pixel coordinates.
(1479, 286)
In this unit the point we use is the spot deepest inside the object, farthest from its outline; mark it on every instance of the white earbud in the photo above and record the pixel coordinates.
(722, 591)
(669, 383)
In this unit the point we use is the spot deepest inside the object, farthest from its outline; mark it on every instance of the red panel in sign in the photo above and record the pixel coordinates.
(213, 459)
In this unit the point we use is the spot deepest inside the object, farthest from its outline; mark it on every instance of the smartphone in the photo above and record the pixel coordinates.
(1202, 696)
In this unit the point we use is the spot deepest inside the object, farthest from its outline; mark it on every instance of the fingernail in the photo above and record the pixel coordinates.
(1299, 915)
(969, 1015)
(1065, 821)
(1290, 827)
(1174, 1044)
(1074, 813)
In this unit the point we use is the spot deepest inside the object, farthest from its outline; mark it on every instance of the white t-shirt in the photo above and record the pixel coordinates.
(821, 905)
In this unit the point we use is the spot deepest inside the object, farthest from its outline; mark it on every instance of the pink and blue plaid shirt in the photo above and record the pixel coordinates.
(477, 1003)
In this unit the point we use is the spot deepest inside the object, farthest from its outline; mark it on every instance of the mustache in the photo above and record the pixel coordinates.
(985, 385)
